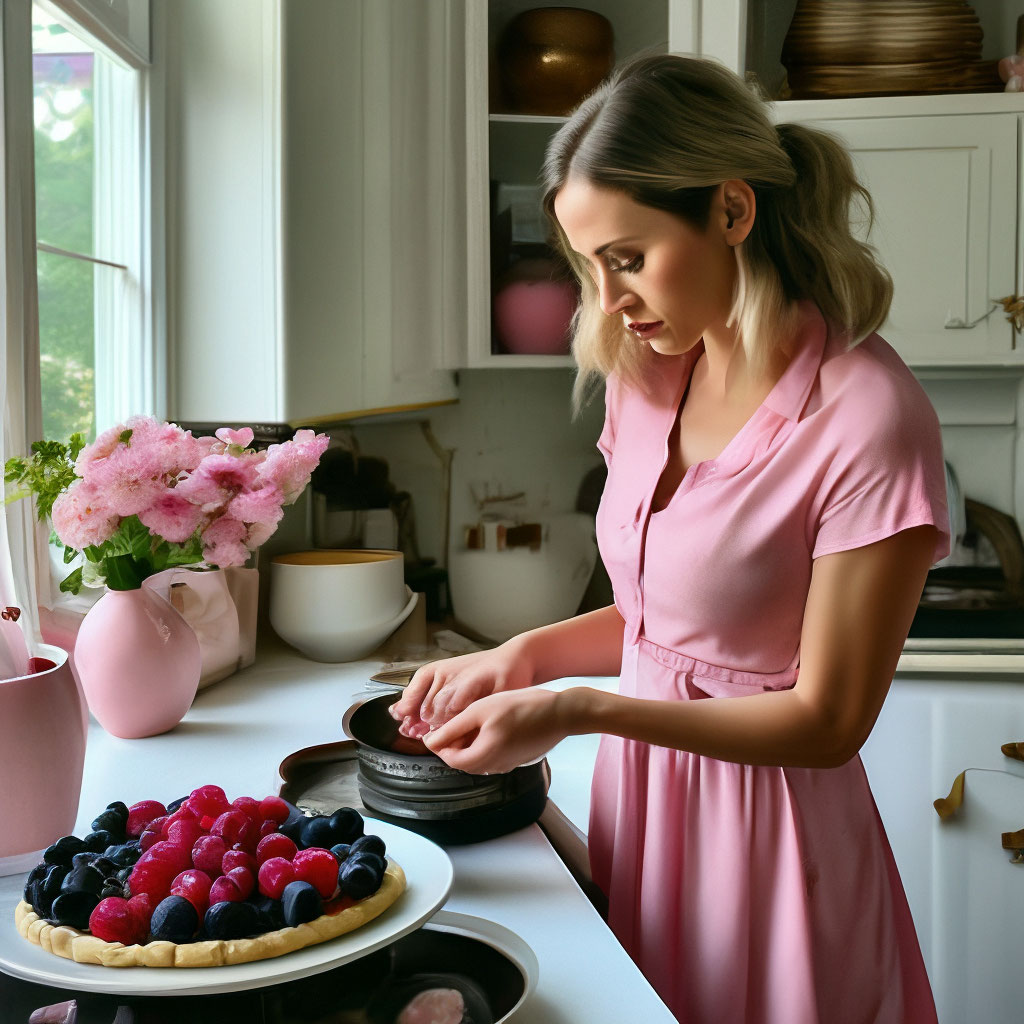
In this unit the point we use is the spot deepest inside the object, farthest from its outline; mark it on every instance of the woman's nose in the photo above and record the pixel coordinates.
(614, 298)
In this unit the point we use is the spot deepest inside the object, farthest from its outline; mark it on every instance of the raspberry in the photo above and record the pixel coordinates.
(249, 807)
(224, 890)
(275, 808)
(274, 875)
(207, 822)
(229, 825)
(184, 832)
(319, 868)
(208, 800)
(153, 878)
(236, 858)
(159, 824)
(275, 845)
(195, 886)
(148, 838)
(141, 909)
(267, 827)
(113, 921)
(178, 857)
(243, 879)
(207, 854)
(141, 814)
(248, 836)
(179, 815)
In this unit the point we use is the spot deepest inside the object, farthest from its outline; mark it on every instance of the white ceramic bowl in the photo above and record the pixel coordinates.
(500, 594)
(338, 605)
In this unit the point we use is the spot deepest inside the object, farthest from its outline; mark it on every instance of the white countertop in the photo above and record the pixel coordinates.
(239, 731)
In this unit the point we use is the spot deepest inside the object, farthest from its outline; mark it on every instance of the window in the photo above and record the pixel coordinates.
(95, 323)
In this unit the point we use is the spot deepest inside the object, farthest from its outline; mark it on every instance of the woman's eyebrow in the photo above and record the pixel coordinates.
(607, 245)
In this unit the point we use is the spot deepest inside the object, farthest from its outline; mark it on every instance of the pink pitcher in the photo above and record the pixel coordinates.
(42, 753)
(139, 663)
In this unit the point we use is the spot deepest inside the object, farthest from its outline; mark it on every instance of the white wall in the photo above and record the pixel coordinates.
(511, 431)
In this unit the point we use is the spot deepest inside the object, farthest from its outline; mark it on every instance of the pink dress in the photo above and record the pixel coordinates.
(747, 894)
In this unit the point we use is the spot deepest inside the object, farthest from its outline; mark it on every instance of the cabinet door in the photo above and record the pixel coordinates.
(945, 194)
(966, 896)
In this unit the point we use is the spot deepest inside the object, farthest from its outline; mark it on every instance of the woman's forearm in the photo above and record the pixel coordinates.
(586, 645)
(776, 728)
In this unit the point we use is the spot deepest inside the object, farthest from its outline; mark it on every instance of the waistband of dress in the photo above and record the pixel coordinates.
(754, 681)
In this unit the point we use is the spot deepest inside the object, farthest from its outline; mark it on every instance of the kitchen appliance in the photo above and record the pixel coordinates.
(975, 601)
(498, 594)
(400, 781)
(352, 500)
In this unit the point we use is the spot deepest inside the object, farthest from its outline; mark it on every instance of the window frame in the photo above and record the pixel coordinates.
(145, 389)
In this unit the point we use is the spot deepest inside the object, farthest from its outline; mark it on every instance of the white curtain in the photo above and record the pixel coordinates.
(21, 544)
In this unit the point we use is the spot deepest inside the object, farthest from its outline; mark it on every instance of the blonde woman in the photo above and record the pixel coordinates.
(775, 498)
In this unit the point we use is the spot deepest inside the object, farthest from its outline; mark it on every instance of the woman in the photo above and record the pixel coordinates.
(775, 498)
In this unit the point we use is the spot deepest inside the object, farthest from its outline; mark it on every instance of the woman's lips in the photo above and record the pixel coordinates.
(644, 329)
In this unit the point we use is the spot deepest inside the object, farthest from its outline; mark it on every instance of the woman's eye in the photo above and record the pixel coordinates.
(629, 267)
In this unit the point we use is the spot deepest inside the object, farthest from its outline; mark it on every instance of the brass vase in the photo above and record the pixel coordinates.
(550, 58)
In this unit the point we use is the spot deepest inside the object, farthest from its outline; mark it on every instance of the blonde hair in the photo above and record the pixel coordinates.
(667, 130)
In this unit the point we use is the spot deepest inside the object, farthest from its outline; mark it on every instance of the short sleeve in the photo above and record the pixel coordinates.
(886, 476)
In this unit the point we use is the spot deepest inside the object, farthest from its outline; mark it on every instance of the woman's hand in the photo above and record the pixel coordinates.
(502, 731)
(440, 690)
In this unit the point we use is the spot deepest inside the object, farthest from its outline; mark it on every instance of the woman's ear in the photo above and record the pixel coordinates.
(734, 209)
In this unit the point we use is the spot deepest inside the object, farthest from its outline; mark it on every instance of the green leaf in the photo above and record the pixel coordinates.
(69, 554)
(124, 437)
(131, 538)
(72, 583)
(123, 572)
(185, 554)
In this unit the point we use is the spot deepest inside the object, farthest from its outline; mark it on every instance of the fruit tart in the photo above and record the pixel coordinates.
(206, 882)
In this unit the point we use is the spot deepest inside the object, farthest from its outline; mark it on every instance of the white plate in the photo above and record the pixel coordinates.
(428, 874)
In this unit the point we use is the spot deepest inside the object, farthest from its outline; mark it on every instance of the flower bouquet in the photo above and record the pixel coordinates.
(147, 496)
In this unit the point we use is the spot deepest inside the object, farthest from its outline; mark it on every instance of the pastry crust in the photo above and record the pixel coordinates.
(88, 949)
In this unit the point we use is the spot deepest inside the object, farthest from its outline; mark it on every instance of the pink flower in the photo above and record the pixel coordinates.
(130, 478)
(259, 533)
(101, 448)
(223, 543)
(262, 505)
(177, 450)
(243, 437)
(290, 465)
(172, 517)
(81, 519)
(219, 478)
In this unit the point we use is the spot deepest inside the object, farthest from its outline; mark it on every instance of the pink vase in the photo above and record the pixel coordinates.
(533, 317)
(42, 753)
(139, 663)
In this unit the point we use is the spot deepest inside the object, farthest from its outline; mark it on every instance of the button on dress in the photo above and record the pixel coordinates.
(753, 894)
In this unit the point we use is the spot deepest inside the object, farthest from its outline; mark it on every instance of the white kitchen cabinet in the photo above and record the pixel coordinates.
(312, 202)
(508, 149)
(941, 187)
(943, 172)
(966, 896)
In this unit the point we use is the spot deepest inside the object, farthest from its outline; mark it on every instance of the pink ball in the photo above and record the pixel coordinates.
(532, 317)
